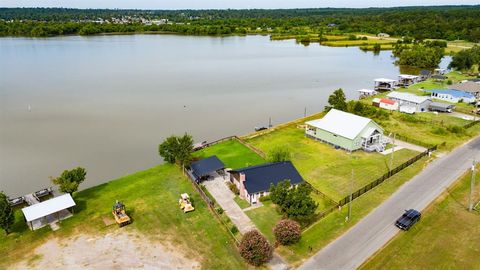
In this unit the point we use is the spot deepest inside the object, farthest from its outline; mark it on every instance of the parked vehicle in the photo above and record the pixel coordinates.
(408, 219)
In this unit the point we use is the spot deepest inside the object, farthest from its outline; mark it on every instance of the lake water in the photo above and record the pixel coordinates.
(106, 102)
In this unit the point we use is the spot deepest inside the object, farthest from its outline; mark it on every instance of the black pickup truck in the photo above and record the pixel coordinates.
(408, 218)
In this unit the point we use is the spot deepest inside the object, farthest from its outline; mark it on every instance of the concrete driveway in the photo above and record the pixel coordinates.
(374, 231)
(224, 197)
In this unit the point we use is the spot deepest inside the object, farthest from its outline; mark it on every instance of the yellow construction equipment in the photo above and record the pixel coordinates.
(121, 217)
(185, 203)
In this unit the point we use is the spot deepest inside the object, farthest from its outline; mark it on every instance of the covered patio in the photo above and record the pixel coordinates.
(48, 212)
(384, 84)
(207, 167)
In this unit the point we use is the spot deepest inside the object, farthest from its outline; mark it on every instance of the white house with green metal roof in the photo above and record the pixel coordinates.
(347, 131)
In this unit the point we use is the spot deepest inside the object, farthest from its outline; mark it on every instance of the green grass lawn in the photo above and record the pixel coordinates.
(332, 226)
(241, 202)
(328, 169)
(265, 218)
(233, 154)
(447, 237)
(151, 198)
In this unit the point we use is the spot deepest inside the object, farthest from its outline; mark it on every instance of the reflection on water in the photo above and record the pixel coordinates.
(106, 102)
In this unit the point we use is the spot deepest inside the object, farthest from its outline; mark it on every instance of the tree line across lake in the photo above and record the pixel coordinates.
(446, 22)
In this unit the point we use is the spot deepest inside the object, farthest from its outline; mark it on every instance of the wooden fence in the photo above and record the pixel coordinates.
(471, 124)
(384, 177)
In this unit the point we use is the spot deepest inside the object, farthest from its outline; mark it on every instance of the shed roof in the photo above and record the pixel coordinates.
(425, 72)
(408, 97)
(441, 105)
(48, 207)
(385, 80)
(407, 76)
(258, 178)
(468, 86)
(341, 123)
(453, 92)
(388, 101)
(207, 165)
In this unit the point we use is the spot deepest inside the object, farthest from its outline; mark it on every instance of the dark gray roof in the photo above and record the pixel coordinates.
(439, 77)
(441, 105)
(207, 165)
(258, 178)
(425, 72)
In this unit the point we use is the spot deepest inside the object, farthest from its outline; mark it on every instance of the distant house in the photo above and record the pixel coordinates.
(440, 71)
(441, 107)
(425, 74)
(385, 103)
(452, 95)
(410, 103)
(366, 92)
(407, 80)
(347, 131)
(384, 84)
(254, 182)
(383, 35)
(332, 25)
(468, 86)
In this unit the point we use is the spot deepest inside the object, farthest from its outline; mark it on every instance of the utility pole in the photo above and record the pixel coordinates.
(472, 187)
(393, 150)
(305, 112)
(269, 122)
(351, 197)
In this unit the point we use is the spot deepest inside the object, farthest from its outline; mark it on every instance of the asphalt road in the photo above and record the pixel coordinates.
(371, 233)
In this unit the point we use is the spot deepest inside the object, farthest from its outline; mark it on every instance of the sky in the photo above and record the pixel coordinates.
(224, 4)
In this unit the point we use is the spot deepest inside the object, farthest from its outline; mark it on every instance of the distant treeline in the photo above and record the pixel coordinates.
(445, 22)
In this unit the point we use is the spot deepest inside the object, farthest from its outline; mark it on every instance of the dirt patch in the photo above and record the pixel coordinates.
(118, 250)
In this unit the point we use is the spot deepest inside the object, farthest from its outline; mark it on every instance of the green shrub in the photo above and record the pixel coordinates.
(219, 210)
(265, 198)
(456, 129)
(233, 188)
(287, 232)
(439, 131)
(234, 229)
(255, 249)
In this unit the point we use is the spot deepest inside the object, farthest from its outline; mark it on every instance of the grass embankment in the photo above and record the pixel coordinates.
(332, 226)
(447, 237)
(328, 169)
(232, 153)
(151, 198)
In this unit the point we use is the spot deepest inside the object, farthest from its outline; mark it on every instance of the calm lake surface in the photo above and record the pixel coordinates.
(106, 102)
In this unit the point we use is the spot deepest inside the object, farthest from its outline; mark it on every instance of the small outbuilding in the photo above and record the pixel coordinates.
(43, 213)
(384, 84)
(406, 80)
(254, 182)
(347, 131)
(441, 107)
(385, 103)
(383, 35)
(366, 93)
(452, 95)
(206, 167)
(425, 74)
(410, 103)
(439, 78)
(440, 71)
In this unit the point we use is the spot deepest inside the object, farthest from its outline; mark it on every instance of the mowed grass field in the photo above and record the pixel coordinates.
(151, 198)
(327, 169)
(447, 237)
(232, 153)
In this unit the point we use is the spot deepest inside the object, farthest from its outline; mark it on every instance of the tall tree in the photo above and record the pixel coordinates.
(6, 213)
(294, 202)
(337, 100)
(69, 180)
(176, 149)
